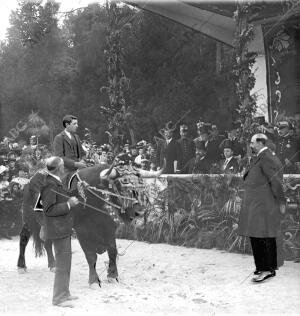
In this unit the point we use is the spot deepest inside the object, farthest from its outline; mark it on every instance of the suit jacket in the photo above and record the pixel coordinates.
(69, 150)
(170, 153)
(58, 219)
(231, 167)
(186, 152)
(199, 167)
(260, 215)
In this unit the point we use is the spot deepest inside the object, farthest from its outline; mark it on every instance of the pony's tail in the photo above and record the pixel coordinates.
(38, 243)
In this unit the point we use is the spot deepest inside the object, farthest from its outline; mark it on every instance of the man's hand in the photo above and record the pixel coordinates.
(282, 208)
(73, 201)
(80, 165)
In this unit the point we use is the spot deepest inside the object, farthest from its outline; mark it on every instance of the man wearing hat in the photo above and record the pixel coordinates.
(230, 164)
(67, 145)
(169, 150)
(186, 148)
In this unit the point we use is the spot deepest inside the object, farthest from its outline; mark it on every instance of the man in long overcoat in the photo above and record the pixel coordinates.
(262, 206)
(67, 145)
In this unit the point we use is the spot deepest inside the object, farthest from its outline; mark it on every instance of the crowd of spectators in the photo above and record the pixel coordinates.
(211, 151)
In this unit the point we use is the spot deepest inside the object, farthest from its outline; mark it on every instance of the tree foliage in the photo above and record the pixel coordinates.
(55, 68)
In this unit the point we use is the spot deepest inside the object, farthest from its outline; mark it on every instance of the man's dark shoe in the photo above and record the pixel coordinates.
(264, 275)
(257, 272)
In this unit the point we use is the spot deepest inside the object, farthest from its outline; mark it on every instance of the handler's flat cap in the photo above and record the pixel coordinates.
(53, 163)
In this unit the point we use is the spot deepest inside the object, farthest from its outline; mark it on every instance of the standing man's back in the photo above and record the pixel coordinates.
(67, 145)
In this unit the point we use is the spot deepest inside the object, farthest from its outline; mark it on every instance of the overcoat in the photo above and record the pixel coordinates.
(58, 218)
(69, 150)
(263, 193)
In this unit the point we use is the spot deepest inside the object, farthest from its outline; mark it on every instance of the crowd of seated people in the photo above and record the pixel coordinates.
(211, 151)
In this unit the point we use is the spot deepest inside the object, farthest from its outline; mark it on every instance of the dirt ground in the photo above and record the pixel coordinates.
(155, 279)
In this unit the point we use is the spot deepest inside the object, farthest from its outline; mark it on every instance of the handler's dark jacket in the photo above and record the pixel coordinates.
(58, 218)
(260, 215)
(70, 150)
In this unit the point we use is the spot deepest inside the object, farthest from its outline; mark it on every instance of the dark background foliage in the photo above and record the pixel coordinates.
(54, 64)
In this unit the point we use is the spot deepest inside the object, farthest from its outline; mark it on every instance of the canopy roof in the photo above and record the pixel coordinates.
(214, 19)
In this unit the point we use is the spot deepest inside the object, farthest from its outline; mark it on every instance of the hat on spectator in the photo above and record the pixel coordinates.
(203, 127)
(226, 143)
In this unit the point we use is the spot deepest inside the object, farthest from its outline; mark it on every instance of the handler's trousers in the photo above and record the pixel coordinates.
(63, 258)
(265, 253)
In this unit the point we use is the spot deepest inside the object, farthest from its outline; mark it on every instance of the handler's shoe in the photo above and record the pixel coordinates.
(72, 298)
(64, 304)
(264, 275)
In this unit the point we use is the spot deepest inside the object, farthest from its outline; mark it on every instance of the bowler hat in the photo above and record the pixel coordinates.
(226, 143)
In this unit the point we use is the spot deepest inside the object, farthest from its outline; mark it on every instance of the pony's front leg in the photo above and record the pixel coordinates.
(50, 256)
(91, 258)
(24, 238)
(112, 271)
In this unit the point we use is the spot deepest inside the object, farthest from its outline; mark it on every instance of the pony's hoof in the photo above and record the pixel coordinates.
(22, 270)
(52, 269)
(112, 280)
(95, 286)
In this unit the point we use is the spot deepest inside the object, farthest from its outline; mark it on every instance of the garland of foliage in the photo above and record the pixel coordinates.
(242, 68)
(202, 211)
(117, 114)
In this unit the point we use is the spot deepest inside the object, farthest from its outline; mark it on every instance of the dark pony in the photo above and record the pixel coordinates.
(94, 220)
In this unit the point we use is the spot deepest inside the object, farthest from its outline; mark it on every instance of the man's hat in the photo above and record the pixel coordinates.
(226, 143)
(203, 127)
(12, 159)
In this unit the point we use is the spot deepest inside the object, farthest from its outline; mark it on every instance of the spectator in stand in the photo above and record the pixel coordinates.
(32, 143)
(153, 157)
(169, 150)
(230, 164)
(141, 155)
(145, 164)
(200, 163)
(239, 148)
(13, 169)
(133, 152)
(3, 156)
(186, 148)
(213, 150)
(287, 147)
